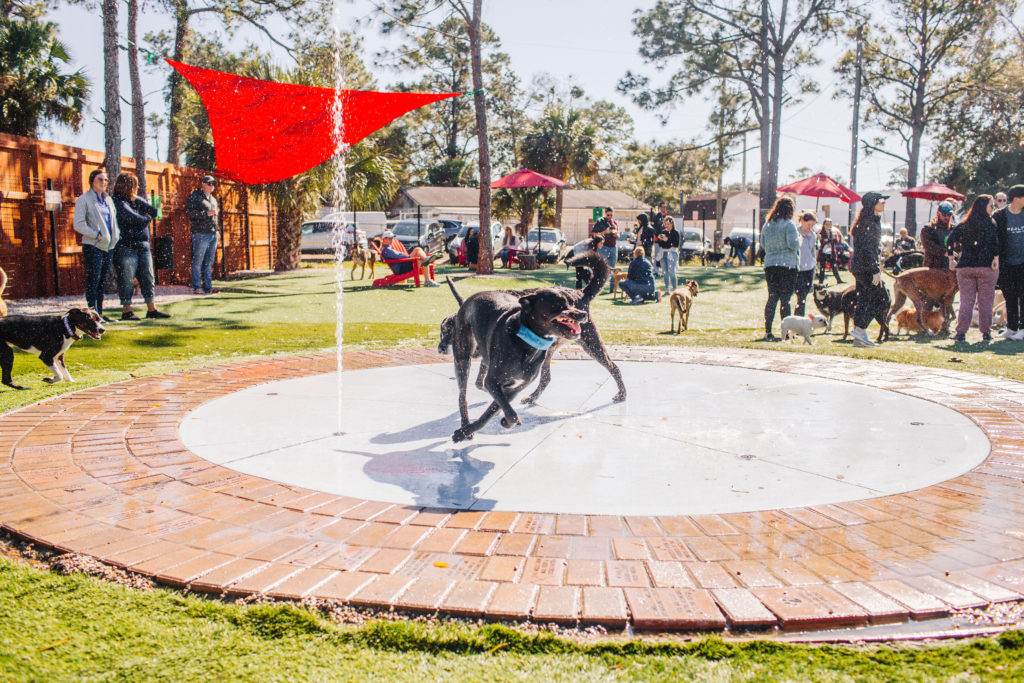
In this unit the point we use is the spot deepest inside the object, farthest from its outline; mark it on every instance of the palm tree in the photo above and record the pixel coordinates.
(34, 90)
(370, 182)
(562, 144)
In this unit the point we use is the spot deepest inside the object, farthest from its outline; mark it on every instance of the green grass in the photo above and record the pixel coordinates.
(73, 628)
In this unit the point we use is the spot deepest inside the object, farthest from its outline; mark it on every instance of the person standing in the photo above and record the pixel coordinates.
(608, 228)
(669, 241)
(808, 260)
(96, 220)
(866, 235)
(977, 269)
(202, 209)
(132, 256)
(781, 243)
(828, 252)
(658, 223)
(934, 236)
(1010, 227)
(644, 234)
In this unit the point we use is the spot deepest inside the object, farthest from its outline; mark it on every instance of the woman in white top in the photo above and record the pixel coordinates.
(96, 220)
(509, 243)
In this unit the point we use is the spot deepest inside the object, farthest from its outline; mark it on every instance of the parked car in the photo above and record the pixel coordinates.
(692, 243)
(496, 233)
(451, 229)
(548, 243)
(429, 236)
(625, 247)
(318, 236)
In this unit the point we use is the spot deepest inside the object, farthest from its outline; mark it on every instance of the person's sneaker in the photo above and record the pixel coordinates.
(959, 337)
(860, 339)
(1019, 335)
(1008, 333)
(157, 314)
(986, 337)
(432, 258)
(769, 337)
(431, 283)
(107, 319)
(197, 291)
(129, 315)
(657, 297)
(637, 300)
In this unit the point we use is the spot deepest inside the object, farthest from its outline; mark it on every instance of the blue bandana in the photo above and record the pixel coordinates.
(534, 339)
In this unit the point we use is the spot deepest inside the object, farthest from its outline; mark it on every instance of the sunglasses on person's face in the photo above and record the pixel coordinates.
(102, 178)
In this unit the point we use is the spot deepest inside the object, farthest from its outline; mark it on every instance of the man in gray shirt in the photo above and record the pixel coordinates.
(1010, 227)
(202, 210)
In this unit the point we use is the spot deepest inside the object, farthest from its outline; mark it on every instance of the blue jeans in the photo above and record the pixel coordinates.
(669, 260)
(610, 255)
(204, 252)
(97, 265)
(130, 262)
(505, 255)
(635, 289)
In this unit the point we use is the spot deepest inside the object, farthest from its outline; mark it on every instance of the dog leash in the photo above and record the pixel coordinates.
(533, 339)
(67, 329)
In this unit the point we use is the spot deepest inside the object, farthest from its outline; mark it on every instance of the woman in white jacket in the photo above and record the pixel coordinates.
(96, 220)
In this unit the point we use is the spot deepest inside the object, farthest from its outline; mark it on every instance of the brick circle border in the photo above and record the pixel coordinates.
(101, 472)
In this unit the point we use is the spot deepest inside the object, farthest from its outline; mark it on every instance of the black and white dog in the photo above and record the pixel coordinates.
(49, 337)
(516, 332)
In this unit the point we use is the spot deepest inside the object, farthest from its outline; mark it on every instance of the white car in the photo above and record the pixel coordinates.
(318, 236)
(497, 232)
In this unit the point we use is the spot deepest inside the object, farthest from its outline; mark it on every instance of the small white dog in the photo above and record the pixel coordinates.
(792, 325)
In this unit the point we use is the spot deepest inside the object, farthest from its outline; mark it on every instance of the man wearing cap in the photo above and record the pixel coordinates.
(1009, 222)
(933, 238)
(398, 261)
(202, 209)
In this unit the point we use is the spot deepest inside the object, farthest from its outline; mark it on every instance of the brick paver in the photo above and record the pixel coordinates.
(101, 472)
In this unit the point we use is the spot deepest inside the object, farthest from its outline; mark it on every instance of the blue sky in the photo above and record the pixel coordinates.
(589, 41)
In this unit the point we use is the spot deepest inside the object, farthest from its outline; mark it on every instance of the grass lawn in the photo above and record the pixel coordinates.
(73, 627)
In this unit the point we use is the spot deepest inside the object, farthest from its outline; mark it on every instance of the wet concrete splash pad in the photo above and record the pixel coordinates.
(690, 439)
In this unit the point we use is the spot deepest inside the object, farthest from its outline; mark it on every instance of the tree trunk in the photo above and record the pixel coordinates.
(289, 237)
(181, 16)
(910, 221)
(485, 261)
(766, 191)
(779, 60)
(112, 103)
(558, 207)
(138, 108)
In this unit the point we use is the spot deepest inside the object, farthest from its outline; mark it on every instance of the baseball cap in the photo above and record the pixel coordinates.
(873, 197)
(209, 179)
(945, 207)
(388, 235)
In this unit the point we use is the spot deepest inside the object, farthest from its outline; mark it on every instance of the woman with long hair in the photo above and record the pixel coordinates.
(866, 236)
(133, 258)
(669, 241)
(781, 243)
(977, 269)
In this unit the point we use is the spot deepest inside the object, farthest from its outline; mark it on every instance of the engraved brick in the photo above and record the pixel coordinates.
(921, 605)
(669, 575)
(710, 575)
(585, 573)
(956, 596)
(630, 549)
(544, 571)
(881, 608)
(673, 608)
(989, 591)
(515, 544)
(503, 568)
(811, 607)
(605, 606)
(623, 573)
(670, 549)
(556, 603)
(743, 609)
(468, 598)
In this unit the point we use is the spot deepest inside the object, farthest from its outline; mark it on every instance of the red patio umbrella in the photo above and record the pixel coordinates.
(933, 192)
(821, 185)
(524, 177)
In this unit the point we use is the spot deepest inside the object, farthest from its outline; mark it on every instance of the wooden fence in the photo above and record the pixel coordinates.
(29, 241)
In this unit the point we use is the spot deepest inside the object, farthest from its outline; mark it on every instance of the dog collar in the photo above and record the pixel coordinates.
(534, 339)
(67, 328)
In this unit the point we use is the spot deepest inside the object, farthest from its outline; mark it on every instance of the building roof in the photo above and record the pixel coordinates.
(470, 197)
(712, 196)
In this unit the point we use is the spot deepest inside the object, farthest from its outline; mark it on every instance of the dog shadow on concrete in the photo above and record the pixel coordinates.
(444, 427)
(437, 474)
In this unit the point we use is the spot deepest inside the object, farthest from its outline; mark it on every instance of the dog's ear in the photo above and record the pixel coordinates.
(526, 302)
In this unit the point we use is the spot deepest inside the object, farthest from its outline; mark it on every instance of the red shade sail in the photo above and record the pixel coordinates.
(265, 131)
(527, 178)
(821, 185)
(933, 192)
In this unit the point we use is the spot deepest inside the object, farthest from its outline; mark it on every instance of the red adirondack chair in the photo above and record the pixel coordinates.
(417, 273)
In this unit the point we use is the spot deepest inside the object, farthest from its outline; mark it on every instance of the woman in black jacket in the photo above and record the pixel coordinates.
(977, 269)
(132, 256)
(866, 235)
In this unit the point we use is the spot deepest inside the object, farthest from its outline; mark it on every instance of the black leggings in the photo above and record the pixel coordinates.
(1011, 280)
(824, 263)
(781, 282)
(804, 282)
(869, 298)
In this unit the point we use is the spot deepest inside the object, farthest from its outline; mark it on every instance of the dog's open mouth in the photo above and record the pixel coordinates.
(571, 325)
(94, 335)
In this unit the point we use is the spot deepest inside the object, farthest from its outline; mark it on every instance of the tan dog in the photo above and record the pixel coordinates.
(3, 286)
(618, 275)
(907, 320)
(363, 257)
(681, 300)
(926, 288)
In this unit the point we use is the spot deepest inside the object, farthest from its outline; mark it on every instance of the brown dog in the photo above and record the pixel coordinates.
(926, 288)
(907, 320)
(363, 257)
(681, 300)
(618, 275)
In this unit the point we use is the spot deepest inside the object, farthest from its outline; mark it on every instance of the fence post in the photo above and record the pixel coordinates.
(53, 241)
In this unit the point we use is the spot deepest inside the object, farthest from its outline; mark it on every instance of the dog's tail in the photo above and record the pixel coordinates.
(447, 333)
(3, 281)
(455, 292)
(599, 267)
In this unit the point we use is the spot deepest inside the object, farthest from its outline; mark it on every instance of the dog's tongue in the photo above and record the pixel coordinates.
(570, 323)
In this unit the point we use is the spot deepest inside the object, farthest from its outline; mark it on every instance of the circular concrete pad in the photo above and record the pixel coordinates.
(690, 439)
